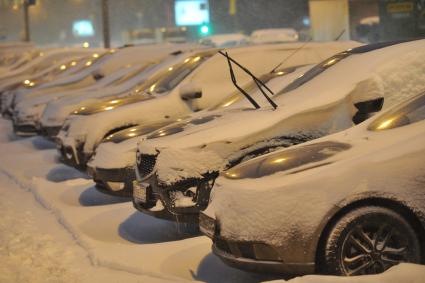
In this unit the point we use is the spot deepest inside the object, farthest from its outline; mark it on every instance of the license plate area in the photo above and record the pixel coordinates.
(140, 191)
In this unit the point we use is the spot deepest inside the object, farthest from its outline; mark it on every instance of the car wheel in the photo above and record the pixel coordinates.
(369, 240)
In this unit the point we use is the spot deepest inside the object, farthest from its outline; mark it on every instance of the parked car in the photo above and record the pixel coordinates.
(182, 91)
(112, 165)
(175, 162)
(352, 203)
(274, 35)
(225, 40)
(40, 64)
(29, 107)
(132, 83)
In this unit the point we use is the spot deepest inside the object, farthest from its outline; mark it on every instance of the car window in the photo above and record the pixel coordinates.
(407, 113)
(315, 71)
(131, 75)
(168, 79)
(251, 87)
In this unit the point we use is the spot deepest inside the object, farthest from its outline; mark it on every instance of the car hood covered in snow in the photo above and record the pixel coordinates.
(385, 164)
(90, 130)
(320, 107)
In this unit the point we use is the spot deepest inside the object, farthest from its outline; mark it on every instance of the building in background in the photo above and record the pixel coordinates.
(367, 20)
(74, 22)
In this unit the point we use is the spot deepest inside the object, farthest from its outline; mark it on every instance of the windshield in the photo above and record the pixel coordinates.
(251, 87)
(315, 71)
(172, 76)
(131, 75)
(407, 113)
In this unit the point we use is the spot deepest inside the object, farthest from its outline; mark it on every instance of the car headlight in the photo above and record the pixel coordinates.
(287, 160)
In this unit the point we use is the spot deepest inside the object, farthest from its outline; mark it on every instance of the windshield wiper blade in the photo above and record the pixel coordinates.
(257, 81)
(235, 83)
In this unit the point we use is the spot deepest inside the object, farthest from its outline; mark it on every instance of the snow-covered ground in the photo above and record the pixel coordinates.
(55, 227)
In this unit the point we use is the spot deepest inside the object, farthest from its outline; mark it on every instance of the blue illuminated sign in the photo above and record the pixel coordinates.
(191, 12)
(83, 28)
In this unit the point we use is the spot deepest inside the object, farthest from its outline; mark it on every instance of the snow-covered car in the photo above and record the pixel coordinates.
(182, 91)
(112, 165)
(352, 203)
(58, 110)
(29, 107)
(42, 75)
(175, 161)
(275, 35)
(225, 40)
(40, 64)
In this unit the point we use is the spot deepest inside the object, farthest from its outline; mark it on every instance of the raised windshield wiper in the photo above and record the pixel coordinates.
(257, 81)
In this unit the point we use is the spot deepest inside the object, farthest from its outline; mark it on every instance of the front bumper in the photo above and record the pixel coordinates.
(74, 157)
(25, 129)
(154, 205)
(116, 182)
(250, 256)
(49, 132)
(195, 192)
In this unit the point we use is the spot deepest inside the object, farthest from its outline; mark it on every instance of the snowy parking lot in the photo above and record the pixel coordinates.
(55, 227)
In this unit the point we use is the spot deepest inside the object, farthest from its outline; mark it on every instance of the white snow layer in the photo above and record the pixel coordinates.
(260, 59)
(395, 73)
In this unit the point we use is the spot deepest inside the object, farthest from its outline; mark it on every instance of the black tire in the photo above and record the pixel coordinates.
(369, 240)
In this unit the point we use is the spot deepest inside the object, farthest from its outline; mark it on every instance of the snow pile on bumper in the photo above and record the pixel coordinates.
(177, 164)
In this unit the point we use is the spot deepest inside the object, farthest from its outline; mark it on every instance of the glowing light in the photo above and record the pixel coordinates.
(88, 63)
(170, 69)
(162, 134)
(27, 82)
(152, 88)
(330, 62)
(32, 84)
(187, 60)
(112, 51)
(133, 130)
(95, 55)
(132, 134)
(197, 59)
(179, 120)
(109, 108)
(385, 124)
(280, 73)
(86, 45)
(233, 175)
(205, 29)
(73, 63)
(279, 160)
(114, 101)
(63, 67)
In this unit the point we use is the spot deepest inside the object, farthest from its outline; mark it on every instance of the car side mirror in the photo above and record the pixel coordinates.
(366, 109)
(190, 91)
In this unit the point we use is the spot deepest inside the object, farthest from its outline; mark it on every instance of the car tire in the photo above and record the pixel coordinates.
(369, 240)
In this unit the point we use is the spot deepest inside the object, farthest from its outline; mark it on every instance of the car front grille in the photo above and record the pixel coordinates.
(146, 164)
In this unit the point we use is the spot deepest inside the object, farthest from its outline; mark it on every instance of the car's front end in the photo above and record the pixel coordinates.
(25, 119)
(327, 206)
(260, 224)
(112, 165)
